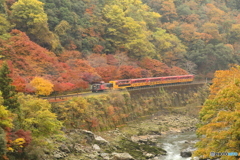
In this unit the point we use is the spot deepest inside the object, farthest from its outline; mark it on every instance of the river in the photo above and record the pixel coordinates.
(175, 143)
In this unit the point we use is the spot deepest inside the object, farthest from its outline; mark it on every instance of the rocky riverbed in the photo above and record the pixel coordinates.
(136, 140)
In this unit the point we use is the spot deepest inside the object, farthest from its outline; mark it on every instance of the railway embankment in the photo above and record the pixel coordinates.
(107, 111)
(126, 124)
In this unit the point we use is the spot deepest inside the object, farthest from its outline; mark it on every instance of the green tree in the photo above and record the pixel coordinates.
(210, 57)
(220, 123)
(5, 26)
(28, 13)
(168, 46)
(8, 91)
(74, 112)
(129, 31)
(29, 16)
(3, 144)
(62, 27)
(6, 122)
(234, 33)
(37, 117)
(2, 6)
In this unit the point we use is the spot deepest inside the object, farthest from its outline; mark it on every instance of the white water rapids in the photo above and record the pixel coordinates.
(175, 143)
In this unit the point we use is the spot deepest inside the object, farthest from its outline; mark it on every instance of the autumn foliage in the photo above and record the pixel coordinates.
(42, 86)
(28, 60)
(220, 123)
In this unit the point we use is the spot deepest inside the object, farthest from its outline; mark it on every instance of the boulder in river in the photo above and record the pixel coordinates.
(121, 156)
(187, 152)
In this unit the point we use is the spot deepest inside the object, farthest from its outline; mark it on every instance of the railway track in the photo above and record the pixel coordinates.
(61, 98)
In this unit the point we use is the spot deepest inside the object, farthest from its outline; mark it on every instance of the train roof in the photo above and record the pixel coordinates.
(153, 77)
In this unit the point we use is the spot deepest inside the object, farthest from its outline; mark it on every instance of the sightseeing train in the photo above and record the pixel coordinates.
(140, 82)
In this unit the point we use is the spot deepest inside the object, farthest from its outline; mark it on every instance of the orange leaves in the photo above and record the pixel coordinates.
(66, 55)
(215, 14)
(188, 32)
(111, 60)
(107, 73)
(211, 29)
(156, 67)
(223, 77)
(19, 83)
(94, 122)
(61, 87)
(27, 57)
(168, 9)
(90, 10)
(98, 48)
(110, 110)
(220, 115)
(178, 71)
(128, 72)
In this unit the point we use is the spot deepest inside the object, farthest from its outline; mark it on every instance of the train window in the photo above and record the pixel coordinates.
(108, 84)
(138, 81)
(171, 78)
(122, 82)
(154, 80)
(185, 77)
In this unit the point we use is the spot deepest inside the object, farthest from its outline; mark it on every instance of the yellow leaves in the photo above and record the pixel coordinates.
(16, 145)
(168, 45)
(128, 26)
(42, 86)
(10, 149)
(215, 14)
(62, 27)
(29, 11)
(5, 25)
(5, 118)
(188, 32)
(235, 31)
(19, 141)
(220, 115)
(224, 78)
(75, 111)
(212, 29)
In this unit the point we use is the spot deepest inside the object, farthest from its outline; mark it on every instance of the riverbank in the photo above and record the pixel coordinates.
(134, 140)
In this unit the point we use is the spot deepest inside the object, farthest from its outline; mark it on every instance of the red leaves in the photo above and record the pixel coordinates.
(159, 69)
(69, 70)
(81, 84)
(17, 141)
(156, 67)
(91, 77)
(66, 55)
(107, 72)
(61, 87)
(98, 48)
(111, 60)
(27, 57)
(19, 83)
(178, 71)
(128, 72)
(24, 134)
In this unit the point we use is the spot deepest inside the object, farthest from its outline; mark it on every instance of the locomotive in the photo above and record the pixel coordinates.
(140, 82)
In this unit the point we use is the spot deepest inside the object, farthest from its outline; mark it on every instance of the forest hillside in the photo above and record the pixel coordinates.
(55, 46)
(74, 43)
